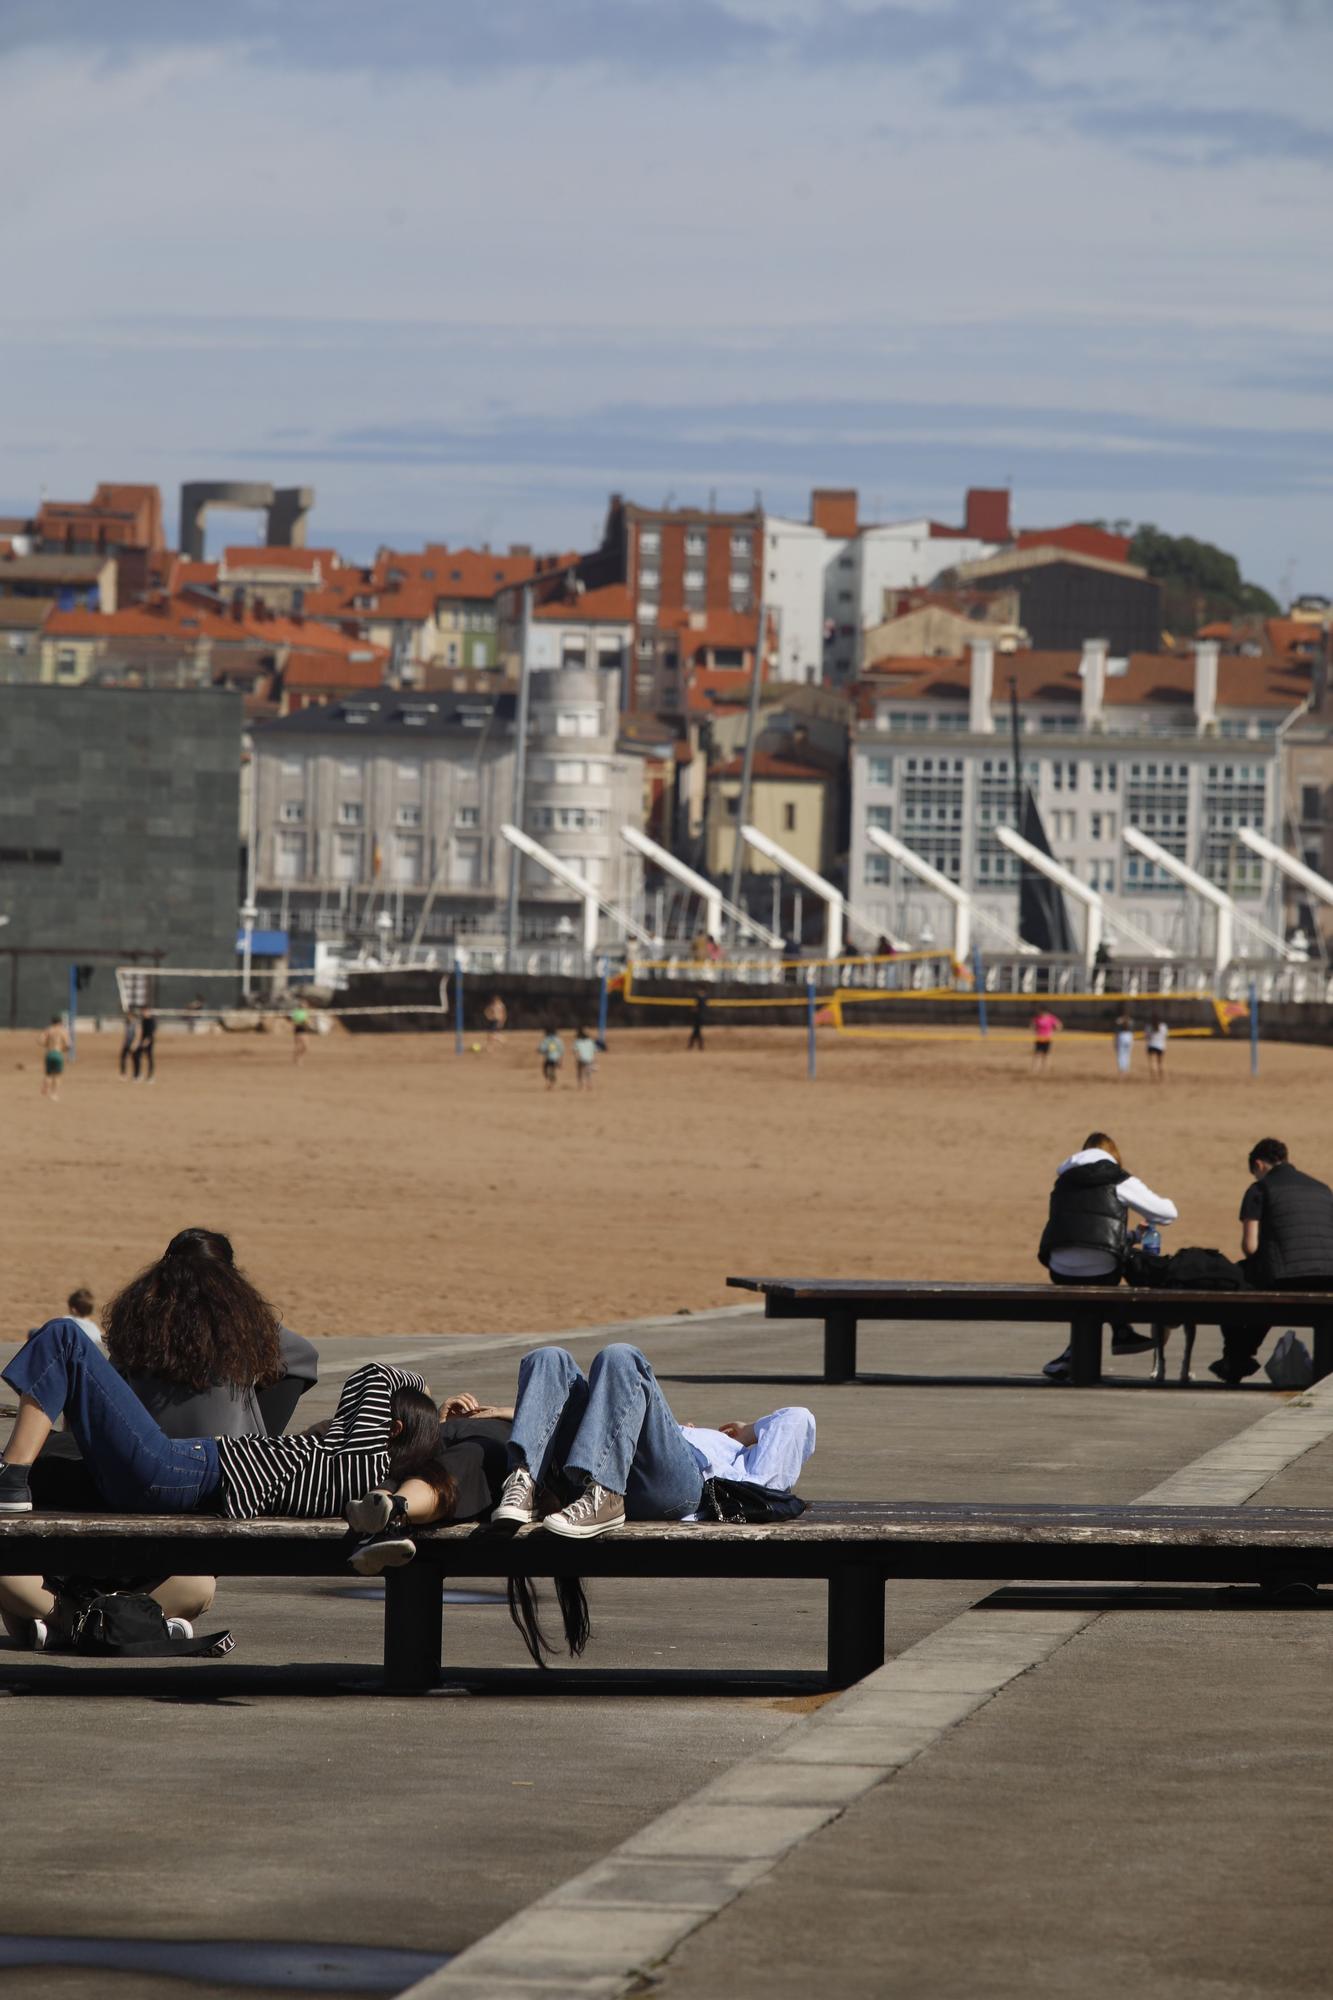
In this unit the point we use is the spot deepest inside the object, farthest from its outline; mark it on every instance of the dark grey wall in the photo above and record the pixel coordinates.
(119, 816)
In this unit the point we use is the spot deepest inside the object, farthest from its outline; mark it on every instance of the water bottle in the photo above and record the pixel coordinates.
(1150, 1239)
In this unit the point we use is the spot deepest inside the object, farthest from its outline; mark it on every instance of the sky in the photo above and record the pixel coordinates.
(467, 267)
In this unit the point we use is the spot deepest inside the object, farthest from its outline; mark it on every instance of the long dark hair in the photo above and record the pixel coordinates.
(415, 1453)
(194, 1319)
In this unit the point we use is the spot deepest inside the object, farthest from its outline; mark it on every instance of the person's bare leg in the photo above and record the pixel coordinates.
(23, 1598)
(185, 1596)
(32, 1427)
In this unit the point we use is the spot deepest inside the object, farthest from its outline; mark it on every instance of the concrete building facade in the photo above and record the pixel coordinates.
(118, 838)
(1187, 750)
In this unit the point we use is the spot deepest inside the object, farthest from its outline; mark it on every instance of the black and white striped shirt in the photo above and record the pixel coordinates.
(314, 1478)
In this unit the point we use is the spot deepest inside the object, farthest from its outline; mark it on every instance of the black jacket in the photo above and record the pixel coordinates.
(1295, 1214)
(1086, 1213)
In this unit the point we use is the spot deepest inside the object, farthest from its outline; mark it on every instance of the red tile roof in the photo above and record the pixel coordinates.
(766, 765)
(1150, 679)
(263, 558)
(323, 670)
(613, 604)
(1078, 536)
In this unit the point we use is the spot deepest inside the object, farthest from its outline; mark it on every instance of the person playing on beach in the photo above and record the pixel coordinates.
(54, 1044)
(551, 1049)
(696, 1040)
(585, 1058)
(1155, 1042)
(1045, 1026)
(145, 1047)
(127, 1040)
(1124, 1046)
(496, 1017)
(81, 1306)
(300, 1020)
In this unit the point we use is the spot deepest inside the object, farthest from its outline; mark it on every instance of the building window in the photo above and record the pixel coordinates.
(1234, 795)
(349, 767)
(880, 771)
(1064, 777)
(741, 546)
(1312, 803)
(291, 767)
(568, 774)
(880, 816)
(647, 616)
(566, 725)
(292, 812)
(1101, 875)
(407, 859)
(349, 812)
(696, 542)
(347, 857)
(289, 857)
(588, 723)
(409, 815)
(650, 541)
(67, 663)
(650, 582)
(930, 803)
(789, 818)
(467, 816)
(694, 582)
(876, 872)
(1105, 777)
(409, 771)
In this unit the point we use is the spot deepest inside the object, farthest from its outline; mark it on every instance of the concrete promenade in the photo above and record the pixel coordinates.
(1029, 1800)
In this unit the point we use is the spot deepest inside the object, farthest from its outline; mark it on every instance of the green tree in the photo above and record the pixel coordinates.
(1199, 581)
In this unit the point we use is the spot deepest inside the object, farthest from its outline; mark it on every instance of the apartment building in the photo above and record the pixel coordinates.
(1186, 749)
(377, 800)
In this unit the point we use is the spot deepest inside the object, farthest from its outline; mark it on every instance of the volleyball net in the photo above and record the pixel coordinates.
(231, 999)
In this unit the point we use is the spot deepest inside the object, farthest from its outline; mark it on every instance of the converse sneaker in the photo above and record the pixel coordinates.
(595, 1510)
(375, 1511)
(518, 1499)
(380, 1552)
(15, 1493)
(31, 1635)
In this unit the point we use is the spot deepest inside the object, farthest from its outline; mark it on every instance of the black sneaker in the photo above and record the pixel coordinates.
(380, 1552)
(15, 1493)
(1233, 1373)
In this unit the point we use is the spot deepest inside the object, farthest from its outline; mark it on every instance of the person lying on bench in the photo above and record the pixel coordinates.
(207, 1355)
(385, 1428)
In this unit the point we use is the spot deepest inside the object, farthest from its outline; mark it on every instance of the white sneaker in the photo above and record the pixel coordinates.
(180, 1628)
(380, 1552)
(518, 1499)
(372, 1512)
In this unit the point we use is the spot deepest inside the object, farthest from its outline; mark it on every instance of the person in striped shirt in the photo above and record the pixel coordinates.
(384, 1432)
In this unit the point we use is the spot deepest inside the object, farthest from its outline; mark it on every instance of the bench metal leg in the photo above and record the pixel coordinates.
(839, 1346)
(413, 1628)
(1085, 1337)
(855, 1623)
(1323, 1349)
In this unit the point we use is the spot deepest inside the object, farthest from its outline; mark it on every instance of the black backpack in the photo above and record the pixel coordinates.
(742, 1500)
(126, 1625)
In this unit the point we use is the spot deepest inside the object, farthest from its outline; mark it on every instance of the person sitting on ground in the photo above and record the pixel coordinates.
(1286, 1221)
(1086, 1238)
(81, 1306)
(207, 1356)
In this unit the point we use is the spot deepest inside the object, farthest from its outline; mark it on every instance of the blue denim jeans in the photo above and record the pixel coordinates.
(133, 1462)
(613, 1424)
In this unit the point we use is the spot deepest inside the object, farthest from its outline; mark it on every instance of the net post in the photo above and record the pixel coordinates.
(458, 1006)
(979, 983)
(73, 1006)
(810, 1028)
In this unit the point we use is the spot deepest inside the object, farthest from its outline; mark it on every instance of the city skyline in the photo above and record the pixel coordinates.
(469, 271)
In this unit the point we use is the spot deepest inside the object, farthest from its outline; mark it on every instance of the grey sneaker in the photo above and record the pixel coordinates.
(595, 1510)
(380, 1552)
(518, 1499)
(15, 1493)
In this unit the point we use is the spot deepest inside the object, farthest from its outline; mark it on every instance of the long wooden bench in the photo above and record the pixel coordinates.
(842, 1304)
(854, 1546)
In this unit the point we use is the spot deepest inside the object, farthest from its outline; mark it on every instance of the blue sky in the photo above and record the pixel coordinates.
(467, 266)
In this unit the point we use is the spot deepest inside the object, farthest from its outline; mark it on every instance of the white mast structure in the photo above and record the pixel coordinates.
(1298, 871)
(714, 902)
(592, 901)
(836, 905)
(1228, 913)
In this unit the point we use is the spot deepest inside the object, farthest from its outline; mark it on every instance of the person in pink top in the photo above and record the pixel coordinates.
(1045, 1025)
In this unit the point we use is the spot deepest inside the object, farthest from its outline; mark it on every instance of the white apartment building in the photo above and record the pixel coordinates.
(1185, 749)
(374, 803)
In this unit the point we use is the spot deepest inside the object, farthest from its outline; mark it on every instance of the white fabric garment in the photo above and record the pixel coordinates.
(783, 1442)
(1156, 1037)
(1076, 1263)
(93, 1331)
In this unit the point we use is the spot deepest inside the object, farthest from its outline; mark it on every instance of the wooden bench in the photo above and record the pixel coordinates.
(853, 1546)
(842, 1303)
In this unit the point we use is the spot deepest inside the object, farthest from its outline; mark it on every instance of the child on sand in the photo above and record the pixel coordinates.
(1045, 1025)
(54, 1044)
(585, 1058)
(552, 1052)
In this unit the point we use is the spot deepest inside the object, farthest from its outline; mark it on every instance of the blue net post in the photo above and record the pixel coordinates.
(1254, 1028)
(979, 981)
(810, 1027)
(458, 1007)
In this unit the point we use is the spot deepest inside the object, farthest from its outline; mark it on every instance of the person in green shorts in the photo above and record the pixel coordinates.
(300, 1020)
(54, 1045)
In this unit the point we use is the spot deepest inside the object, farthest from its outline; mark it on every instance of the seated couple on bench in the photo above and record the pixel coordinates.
(1286, 1242)
(387, 1460)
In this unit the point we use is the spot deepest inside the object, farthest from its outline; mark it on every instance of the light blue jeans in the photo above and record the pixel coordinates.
(613, 1424)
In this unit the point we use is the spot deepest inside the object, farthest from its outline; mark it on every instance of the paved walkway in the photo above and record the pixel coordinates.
(302, 1814)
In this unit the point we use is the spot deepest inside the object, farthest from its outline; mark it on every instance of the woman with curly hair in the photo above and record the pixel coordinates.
(207, 1356)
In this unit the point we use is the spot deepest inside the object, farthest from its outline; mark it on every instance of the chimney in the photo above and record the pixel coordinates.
(986, 514)
(1092, 667)
(980, 720)
(833, 509)
(1205, 685)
